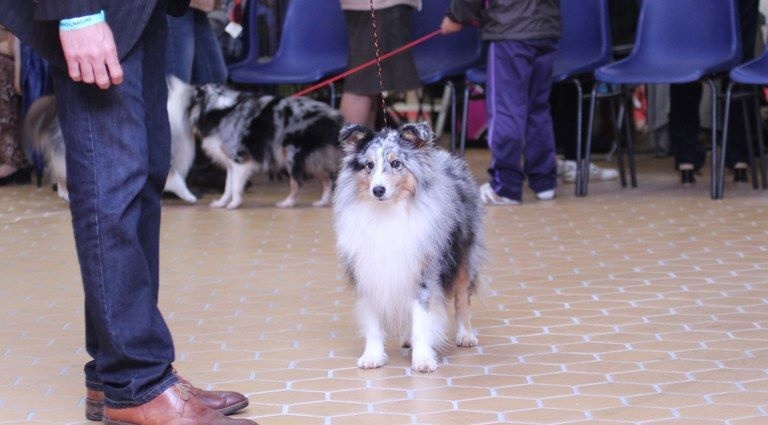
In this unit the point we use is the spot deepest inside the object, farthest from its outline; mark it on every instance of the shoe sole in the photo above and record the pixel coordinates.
(94, 411)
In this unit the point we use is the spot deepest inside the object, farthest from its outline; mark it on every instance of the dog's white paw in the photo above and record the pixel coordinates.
(287, 203)
(424, 364)
(320, 203)
(219, 203)
(189, 198)
(371, 360)
(233, 205)
(466, 339)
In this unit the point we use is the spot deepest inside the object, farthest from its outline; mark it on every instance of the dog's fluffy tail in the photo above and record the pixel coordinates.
(41, 132)
(183, 144)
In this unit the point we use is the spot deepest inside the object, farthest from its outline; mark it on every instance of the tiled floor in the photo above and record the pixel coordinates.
(645, 305)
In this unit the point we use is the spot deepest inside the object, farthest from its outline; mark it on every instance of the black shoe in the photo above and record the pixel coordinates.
(687, 177)
(740, 172)
(20, 176)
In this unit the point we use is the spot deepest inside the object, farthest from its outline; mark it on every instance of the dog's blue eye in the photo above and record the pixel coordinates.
(369, 165)
(396, 164)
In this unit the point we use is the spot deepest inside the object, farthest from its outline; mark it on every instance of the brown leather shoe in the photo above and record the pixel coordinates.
(175, 406)
(225, 402)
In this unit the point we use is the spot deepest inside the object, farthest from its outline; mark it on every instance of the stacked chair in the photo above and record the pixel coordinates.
(680, 41)
(754, 74)
(313, 46)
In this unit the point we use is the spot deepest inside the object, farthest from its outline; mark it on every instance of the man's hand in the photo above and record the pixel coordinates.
(91, 55)
(448, 26)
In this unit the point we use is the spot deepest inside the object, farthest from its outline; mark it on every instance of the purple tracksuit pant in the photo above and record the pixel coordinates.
(520, 133)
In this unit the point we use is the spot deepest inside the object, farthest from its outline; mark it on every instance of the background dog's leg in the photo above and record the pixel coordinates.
(175, 184)
(464, 335)
(325, 199)
(61, 190)
(374, 355)
(240, 175)
(290, 201)
(227, 196)
(427, 328)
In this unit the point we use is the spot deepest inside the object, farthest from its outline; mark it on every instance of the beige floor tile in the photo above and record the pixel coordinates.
(629, 306)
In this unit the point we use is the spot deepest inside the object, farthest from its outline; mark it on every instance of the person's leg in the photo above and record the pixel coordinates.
(539, 151)
(684, 124)
(180, 46)
(356, 108)
(737, 151)
(114, 183)
(208, 64)
(509, 73)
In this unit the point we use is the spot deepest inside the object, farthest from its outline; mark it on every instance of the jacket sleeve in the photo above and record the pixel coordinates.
(54, 10)
(465, 11)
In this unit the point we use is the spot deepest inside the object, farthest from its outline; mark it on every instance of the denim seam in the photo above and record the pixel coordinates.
(99, 259)
(147, 397)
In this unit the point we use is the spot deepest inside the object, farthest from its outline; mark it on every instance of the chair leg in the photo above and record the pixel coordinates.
(578, 189)
(750, 147)
(452, 89)
(332, 88)
(629, 131)
(719, 166)
(760, 147)
(464, 116)
(584, 170)
(617, 113)
(715, 192)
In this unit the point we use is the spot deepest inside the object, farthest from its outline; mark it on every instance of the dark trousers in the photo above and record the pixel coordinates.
(684, 100)
(519, 118)
(118, 155)
(194, 52)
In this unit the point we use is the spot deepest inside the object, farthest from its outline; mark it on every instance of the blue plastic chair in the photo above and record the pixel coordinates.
(585, 45)
(679, 41)
(754, 73)
(445, 56)
(313, 46)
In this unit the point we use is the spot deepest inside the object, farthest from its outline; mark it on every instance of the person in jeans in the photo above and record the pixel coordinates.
(109, 81)
(523, 37)
(194, 52)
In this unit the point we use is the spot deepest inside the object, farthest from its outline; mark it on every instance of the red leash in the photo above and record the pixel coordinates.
(367, 64)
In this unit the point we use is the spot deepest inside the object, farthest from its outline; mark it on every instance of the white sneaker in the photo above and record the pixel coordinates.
(490, 197)
(546, 195)
(568, 168)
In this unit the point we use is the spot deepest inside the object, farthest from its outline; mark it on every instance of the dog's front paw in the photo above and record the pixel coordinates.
(233, 205)
(466, 339)
(424, 365)
(371, 360)
(321, 203)
(287, 203)
(219, 203)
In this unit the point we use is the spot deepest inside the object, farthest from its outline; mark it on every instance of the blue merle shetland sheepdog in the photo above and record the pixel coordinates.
(247, 132)
(408, 220)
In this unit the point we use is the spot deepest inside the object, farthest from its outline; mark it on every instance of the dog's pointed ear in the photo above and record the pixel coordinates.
(420, 135)
(351, 135)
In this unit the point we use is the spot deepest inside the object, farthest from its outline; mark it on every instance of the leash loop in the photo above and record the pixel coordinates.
(378, 64)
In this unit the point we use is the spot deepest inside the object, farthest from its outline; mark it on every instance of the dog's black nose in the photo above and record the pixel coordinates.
(378, 191)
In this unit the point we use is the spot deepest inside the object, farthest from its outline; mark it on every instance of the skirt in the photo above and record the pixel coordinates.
(394, 30)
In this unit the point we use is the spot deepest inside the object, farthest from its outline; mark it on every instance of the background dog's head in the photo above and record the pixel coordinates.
(387, 165)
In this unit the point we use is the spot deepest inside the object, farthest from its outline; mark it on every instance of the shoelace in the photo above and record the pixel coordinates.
(184, 390)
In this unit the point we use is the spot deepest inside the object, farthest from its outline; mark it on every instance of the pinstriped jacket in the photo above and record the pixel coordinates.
(35, 22)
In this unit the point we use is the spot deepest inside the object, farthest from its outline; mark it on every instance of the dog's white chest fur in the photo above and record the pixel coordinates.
(386, 243)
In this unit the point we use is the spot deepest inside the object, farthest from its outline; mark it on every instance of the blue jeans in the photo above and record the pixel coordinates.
(194, 53)
(519, 118)
(118, 155)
